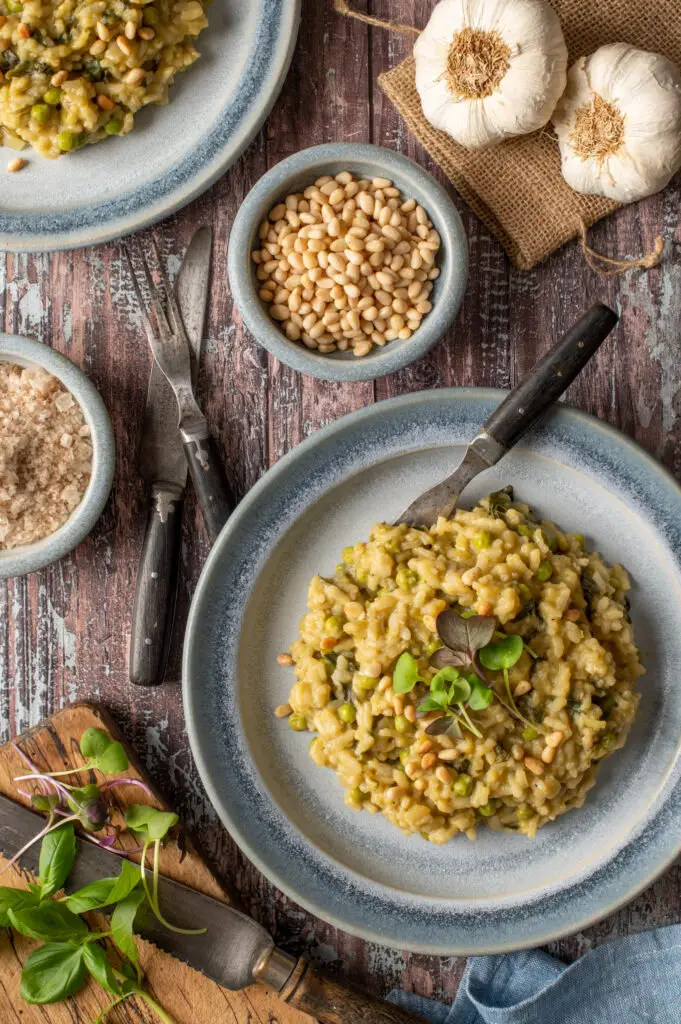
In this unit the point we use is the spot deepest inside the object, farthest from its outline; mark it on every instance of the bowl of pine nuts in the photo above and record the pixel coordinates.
(347, 262)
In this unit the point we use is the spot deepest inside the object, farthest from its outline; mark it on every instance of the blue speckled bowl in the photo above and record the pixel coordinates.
(295, 175)
(26, 352)
(358, 871)
(174, 153)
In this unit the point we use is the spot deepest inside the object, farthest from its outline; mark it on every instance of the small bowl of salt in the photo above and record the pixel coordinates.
(56, 456)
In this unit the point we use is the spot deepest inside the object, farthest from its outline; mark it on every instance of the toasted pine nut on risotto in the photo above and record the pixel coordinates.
(391, 700)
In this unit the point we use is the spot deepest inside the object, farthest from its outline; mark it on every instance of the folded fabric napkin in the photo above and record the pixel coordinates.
(627, 981)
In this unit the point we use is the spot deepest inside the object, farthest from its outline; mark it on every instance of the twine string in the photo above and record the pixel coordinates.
(613, 267)
(344, 8)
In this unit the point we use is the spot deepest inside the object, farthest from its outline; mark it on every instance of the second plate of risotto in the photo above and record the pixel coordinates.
(365, 700)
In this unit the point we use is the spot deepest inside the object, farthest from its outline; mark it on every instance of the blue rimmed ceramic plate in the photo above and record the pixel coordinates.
(174, 153)
(355, 870)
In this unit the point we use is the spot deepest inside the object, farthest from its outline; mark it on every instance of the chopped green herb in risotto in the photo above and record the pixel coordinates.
(76, 72)
(477, 671)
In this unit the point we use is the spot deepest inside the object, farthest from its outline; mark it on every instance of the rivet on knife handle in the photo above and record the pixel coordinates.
(332, 1002)
(154, 589)
(551, 377)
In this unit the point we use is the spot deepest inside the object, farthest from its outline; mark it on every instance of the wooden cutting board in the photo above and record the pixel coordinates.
(186, 995)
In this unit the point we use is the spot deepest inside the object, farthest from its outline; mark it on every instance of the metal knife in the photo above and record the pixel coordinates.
(519, 411)
(162, 464)
(234, 951)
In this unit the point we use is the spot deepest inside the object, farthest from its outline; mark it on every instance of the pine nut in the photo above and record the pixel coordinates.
(283, 710)
(548, 754)
(410, 713)
(428, 760)
(135, 76)
(104, 102)
(522, 688)
(448, 755)
(444, 775)
(424, 747)
(534, 766)
(15, 165)
(555, 739)
(420, 785)
(124, 46)
(59, 78)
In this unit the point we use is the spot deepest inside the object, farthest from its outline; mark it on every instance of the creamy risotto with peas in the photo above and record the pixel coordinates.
(74, 72)
(475, 672)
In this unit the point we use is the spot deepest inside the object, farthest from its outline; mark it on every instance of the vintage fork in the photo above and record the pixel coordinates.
(170, 347)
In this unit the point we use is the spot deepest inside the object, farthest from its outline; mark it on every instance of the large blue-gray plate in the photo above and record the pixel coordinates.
(355, 870)
(174, 152)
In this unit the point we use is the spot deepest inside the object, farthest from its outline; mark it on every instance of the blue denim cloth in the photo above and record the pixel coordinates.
(636, 980)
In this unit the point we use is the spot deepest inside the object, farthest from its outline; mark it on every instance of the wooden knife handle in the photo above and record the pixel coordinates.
(212, 490)
(152, 611)
(332, 1002)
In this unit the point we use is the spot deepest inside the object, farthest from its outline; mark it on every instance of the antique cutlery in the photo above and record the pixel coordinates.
(234, 951)
(519, 411)
(171, 350)
(163, 465)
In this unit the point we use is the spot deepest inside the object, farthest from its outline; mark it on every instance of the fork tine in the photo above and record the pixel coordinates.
(156, 303)
(173, 308)
(148, 326)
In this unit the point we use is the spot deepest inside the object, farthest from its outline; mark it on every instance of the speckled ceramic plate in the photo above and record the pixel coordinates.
(174, 152)
(358, 871)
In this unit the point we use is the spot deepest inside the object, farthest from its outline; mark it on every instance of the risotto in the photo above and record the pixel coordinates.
(477, 671)
(75, 72)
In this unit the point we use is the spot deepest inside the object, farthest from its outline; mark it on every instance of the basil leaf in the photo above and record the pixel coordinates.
(99, 966)
(94, 742)
(406, 673)
(57, 854)
(503, 654)
(150, 822)
(91, 897)
(49, 921)
(123, 922)
(481, 696)
(113, 760)
(15, 899)
(52, 973)
(129, 878)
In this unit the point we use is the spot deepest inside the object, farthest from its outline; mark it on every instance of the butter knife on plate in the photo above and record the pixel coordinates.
(234, 951)
(163, 466)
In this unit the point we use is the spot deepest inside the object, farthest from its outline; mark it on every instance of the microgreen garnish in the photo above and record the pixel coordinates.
(450, 692)
(71, 950)
(500, 501)
(406, 673)
(500, 657)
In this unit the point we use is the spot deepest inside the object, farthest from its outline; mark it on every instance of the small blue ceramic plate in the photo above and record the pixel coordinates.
(355, 870)
(295, 175)
(174, 153)
(25, 352)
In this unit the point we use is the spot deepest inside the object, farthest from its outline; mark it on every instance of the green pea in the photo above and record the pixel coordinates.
(333, 624)
(433, 645)
(463, 785)
(347, 713)
(150, 16)
(481, 540)
(530, 733)
(401, 723)
(14, 7)
(487, 810)
(524, 591)
(544, 572)
(356, 795)
(312, 742)
(405, 754)
(608, 740)
(297, 722)
(67, 141)
(524, 812)
(406, 578)
(607, 704)
(340, 568)
(581, 540)
(525, 530)
(52, 96)
(40, 112)
(361, 575)
(348, 555)
(366, 682)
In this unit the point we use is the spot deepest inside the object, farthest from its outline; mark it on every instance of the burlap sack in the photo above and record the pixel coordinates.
(516, 188)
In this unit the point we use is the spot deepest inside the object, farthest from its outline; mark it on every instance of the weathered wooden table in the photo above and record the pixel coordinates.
(64, 632)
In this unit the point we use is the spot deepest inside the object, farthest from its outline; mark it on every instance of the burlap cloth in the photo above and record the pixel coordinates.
(516, 188)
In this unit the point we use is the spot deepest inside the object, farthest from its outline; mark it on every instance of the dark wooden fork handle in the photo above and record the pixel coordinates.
(212, 490)
(331, 1002)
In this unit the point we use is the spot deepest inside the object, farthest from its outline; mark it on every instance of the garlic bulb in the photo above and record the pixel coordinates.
(619, 123)
(490, 69)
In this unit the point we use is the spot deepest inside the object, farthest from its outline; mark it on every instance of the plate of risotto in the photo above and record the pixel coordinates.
(116, 113)
(460, 739)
